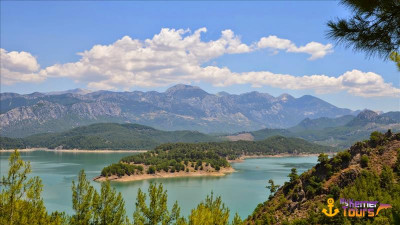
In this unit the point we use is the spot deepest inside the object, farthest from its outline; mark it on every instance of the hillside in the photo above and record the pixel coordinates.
(321, 123)
(368, 171)
(181, 107)
(189, 158)
(106, 136)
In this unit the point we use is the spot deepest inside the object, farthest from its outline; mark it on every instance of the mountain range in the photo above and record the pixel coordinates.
(338, 132)
(181, 107)
(335, 132)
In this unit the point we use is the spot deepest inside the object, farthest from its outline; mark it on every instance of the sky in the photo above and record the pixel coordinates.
(274, 47)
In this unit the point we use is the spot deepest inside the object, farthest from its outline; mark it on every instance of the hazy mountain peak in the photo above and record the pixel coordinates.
(179, 87)
(223, 93)
(285, 97)
(186, 91)
(79, 91)
(367, 114)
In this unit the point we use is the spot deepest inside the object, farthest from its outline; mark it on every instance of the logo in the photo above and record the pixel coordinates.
(353, 208)
(330, 206)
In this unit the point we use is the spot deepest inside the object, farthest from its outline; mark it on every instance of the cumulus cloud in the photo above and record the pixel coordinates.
(178, 56)
(355, 82)
(19, 66)
(315, 49)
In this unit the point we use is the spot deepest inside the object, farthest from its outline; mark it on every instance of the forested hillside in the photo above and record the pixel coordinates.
(105, 136)
(369, 170)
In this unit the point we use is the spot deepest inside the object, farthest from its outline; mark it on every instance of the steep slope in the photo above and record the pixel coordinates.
(106, 136)
(181, 107)
(369, 170)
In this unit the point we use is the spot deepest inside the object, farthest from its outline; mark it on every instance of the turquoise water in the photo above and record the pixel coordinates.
(240, 191)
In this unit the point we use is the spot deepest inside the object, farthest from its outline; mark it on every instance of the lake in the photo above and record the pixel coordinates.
(240, 191)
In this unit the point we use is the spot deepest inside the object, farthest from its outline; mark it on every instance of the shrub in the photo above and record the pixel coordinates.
(364, 161)
(376, 138)
(151, 170)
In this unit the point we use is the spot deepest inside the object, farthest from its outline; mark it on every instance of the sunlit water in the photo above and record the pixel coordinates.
(240, 191)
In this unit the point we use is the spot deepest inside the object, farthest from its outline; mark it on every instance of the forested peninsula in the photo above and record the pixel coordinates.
(202, 159)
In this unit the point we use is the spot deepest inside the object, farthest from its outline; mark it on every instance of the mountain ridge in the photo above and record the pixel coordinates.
(112, 136)
(181, 107)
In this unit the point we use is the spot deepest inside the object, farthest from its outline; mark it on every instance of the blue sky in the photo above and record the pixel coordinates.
(54, 32)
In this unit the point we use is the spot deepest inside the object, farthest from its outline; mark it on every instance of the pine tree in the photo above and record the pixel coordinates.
(109, 207)
(82, 198)
(210, 212)
(20, 197)
(157, 211)
(374, 27)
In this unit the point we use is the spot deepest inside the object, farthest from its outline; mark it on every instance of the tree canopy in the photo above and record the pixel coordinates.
(373, 28)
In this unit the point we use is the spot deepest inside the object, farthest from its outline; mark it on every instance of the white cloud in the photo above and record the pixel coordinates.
(19, 67)
(315, 49)
(177, 56)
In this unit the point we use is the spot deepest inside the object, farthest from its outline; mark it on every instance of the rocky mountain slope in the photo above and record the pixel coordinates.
(181, 107)
(368, 171)
(337, 132)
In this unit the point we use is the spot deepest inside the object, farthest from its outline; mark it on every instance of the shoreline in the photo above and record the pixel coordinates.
(222, 172)
(73, 150)
(114, 178)
(244, 157)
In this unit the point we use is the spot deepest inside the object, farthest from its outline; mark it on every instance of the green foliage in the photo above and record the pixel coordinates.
(293, 175)
(175, 157)
(373, 28)
(109, 207)
(151, 170)
(334, 191)
(106, 136)
(272, 187)
(364, 161)
(376, 139)
(121, 169)
(395, 57)
(210, 212)
(20, 197)
(323, 158)
(397, 165)
(82, 197)
(378, 183)
(386, 178)
(157, 211)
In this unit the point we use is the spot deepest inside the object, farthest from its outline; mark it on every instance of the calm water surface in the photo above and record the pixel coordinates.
(241, 191)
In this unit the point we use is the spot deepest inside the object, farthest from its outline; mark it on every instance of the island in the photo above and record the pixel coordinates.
(202, 159)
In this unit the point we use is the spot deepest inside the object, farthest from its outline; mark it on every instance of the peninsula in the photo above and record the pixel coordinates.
(202, 159)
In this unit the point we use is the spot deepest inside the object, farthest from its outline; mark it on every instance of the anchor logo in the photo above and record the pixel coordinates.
(330, 206)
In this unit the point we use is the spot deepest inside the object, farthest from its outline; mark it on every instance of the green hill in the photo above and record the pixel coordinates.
(321, 123)
(173, 157)
(106, 136)
(368, 171)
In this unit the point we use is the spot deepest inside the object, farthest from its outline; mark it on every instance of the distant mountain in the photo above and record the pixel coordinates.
(338, 132)
(368, 116)
(106, 136)
(78, 91)
(181, 107)
(321, 123)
